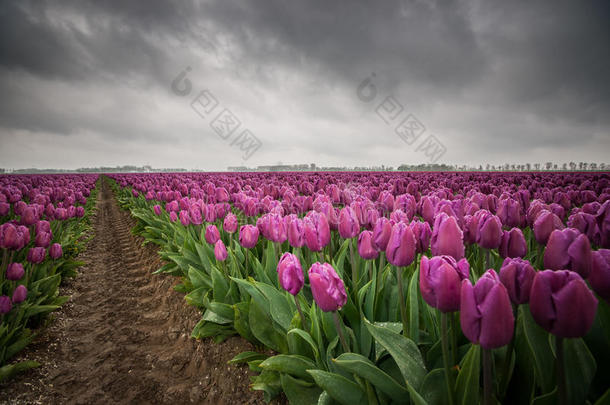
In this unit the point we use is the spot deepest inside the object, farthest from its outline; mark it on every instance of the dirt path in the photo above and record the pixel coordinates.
(124, 335)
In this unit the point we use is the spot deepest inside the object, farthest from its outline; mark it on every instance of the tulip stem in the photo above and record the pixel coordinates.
(487, 381)
(403, 303)
(445, 347)
(509, 356)
(296, 301)
(340, 332)
(354, 269)
(455, 322)
(561, 373)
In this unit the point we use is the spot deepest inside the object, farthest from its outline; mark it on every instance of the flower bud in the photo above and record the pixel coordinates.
(513, 244)
(55, 251)
(348, 223)
(230, 223)
(366, 247)
(14, 271)
(486, 315)
(562, 304)
(220, 251)
(36, 255)
(290, 273)
(599, 278)
(327, 287)
(447, 237)
(517, 275)
(440, 281)
(212, 235)
(5, 304)
(568, 249)
(248, 236)
(20, 294)
(401, 246)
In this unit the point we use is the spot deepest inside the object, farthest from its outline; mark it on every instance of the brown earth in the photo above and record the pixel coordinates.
(124, 336)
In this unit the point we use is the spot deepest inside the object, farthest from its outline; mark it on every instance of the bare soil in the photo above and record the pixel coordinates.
(124, 336)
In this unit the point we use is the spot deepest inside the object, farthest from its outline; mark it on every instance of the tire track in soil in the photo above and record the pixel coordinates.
(124, 336)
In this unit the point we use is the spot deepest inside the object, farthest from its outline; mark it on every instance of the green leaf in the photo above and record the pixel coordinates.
(393, 326)
(433, 390)
(199, 278)
(339, 388)
(414, 307)
(540, 351)
(219, 284)
(291, 364)
(363, 367)
(212, 316)
(604, 399)
(262, 327)
(299, 392)
(247, 356)
(403, 351)
(269, 382)
(294, 334)
(467, 384)
(580, 369)
(10, 370)
(240, 321)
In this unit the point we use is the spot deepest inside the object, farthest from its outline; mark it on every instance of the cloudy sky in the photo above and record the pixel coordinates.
(211, 84)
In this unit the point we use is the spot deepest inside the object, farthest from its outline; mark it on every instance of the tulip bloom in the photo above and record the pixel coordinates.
(349, 225)
(14, 271)
(212, 235)
(486, 315)
(230, 223)
(562, 304)
(513, 244)
(568, 249)
(55, 251)
(545, 223)
(366, 247)
(248, 236)
(600, 273)
(5, 304)
(36, 255)
(401, 246)
(296, 230)
(317, 231)
(43, 239)
(327, 287)
(381, 233)
(20, 294)
(517, 275)
(440, 281)
(220, 251)
(489, 231)
(184, 218)
(290, 273)
(157, 209)
(447, 237)
(423, 234)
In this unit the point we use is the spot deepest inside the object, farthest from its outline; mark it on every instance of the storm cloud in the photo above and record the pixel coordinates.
(87, 83)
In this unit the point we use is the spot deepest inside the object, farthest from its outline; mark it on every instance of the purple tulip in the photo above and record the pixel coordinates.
(587, 224)
(440, 281)
(290, 273)
(42, 226)
(5, 304)
(36, 255)
(20, 294)
(184, 218)
(29, 216)
(55, 251)
(366, 246)
(296, 230)
(317, 231)
(486, 315)
(212, 235)
(327, 287)
(5, 208)
(513, 244)
(423, 234)
(43, 239)
(248, 236)
(510, 213)
(349, 225)
(195, 214)
(220, 251)
(489, 231)
(276, 231)
(562, 304)
(517, 275)
(401, 246)
(14, 271)
(381, 233)
(568, 249)
(230, 223)
(545, 223)
(173, 216)
(447, 237)
(600, 273)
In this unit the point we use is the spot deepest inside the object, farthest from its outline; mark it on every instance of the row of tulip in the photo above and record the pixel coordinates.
(407, 293)
(43, 219)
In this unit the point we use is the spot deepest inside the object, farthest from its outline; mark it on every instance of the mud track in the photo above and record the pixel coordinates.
(124, 336)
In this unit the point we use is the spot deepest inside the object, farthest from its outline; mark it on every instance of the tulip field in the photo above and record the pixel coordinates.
(394, 288)
(354, 288)
(44, 224)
